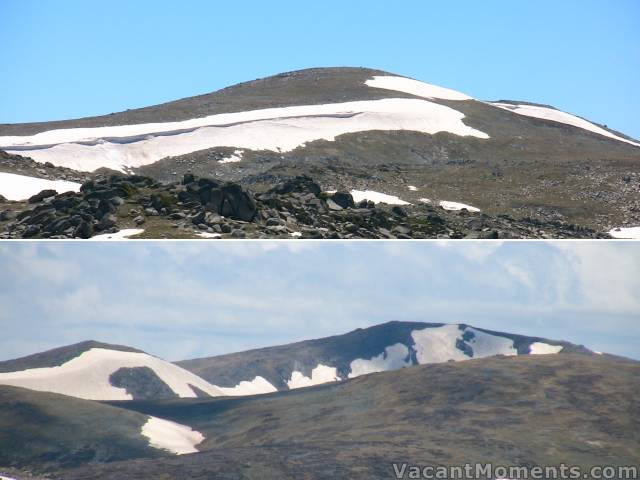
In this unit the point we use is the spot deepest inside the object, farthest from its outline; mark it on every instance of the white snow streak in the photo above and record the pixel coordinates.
(457, 206)
(87, 376)
(21, 187)
(171, 436)
(412, 188)
(541, 348)
(394, 357)
(415, 87)
(208, 235)
(119, 235)
(275, 129)
(376, 197)
(320, 374)
(561, 117)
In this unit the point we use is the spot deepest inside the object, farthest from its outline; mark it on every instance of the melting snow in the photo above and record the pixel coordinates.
(256, 386)
(437, 345)
(87, 376)
(394, 357)
(425, 200)
(171, 436)
(275, 129)
(457, 206)
(376, 197)
(236, 157)
(626, 232)
(320, 374)
(561, 117)
(21, 187)
(208, 235)
(412, 188)
(541, 348)
(119, 235)
(415, 87)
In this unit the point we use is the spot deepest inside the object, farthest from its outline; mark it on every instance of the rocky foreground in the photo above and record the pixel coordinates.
(203, 207)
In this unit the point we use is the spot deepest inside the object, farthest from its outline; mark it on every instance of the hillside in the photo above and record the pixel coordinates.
(43, 430)
(97, 371)
(388, 346)
(531, 410)
(359, 130)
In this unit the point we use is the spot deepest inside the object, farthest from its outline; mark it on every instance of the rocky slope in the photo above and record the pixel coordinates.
(140, 207)
(359, 129)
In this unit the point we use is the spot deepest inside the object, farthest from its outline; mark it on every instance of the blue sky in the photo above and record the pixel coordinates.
(182, 300)
(71, 58)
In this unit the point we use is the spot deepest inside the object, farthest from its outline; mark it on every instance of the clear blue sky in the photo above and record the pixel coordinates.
(71, 58)
(182, 300)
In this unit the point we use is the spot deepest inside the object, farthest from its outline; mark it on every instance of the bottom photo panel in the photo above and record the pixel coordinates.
(319, 360)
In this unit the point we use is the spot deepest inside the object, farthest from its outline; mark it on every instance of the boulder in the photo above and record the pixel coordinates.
(38, 197)
(344, 199)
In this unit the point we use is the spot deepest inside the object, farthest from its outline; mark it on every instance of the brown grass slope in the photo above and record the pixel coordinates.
(530, 410)
(44, 430)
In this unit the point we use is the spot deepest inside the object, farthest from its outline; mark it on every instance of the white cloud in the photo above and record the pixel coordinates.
(606, 272)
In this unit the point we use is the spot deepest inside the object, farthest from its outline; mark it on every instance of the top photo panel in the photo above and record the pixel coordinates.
(420, 147)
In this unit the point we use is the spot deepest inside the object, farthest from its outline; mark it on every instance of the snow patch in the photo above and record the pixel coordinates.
(87, 376)
(412, 188)
(21, 187)
(541, 348)
(236, 157)
(626, 232)
(320, 374)
(394, 357)
(119, 235)
(376, 197)
(296, 234)
(439, 344)
(415, 87)
(208, 235)
(560, 117)
(457, 206)
(171, 436)
(274, 129)
(425, 200)
(257, 386)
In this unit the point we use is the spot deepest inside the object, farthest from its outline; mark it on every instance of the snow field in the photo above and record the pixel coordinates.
(171, 436)
(541, 348)
(275, 129)
(626, 232)
(437, 345)
(21, 187)
(256, 386)
(87, 376)
(415, 87)
(320, 374)
(394, 357)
